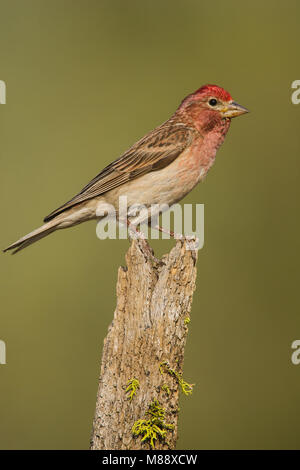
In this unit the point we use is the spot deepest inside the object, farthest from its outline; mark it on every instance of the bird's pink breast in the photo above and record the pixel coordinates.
(196, 161)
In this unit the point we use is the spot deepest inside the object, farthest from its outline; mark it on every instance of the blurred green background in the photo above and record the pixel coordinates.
(85, 80)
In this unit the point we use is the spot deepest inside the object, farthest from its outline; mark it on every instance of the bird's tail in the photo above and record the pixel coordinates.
(33, 237)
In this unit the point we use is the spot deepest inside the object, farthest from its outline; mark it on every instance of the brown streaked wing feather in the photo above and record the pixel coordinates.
(153, 152)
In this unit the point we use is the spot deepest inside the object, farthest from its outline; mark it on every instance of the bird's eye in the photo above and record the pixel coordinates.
(213, 102)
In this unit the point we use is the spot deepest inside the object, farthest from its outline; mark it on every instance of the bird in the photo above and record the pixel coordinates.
(160, 168)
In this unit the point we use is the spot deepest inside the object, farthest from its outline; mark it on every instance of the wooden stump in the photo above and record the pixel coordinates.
(143, 353)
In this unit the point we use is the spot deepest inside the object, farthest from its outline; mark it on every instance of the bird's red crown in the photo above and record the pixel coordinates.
(214, 90)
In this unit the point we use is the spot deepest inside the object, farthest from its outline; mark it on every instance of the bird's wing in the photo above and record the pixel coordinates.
(153, 152)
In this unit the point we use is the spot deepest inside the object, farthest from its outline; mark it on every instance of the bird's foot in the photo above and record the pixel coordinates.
(134, 233)
(192, 242)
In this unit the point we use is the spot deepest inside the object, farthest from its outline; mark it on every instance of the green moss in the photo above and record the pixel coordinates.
(187, 320)
(185, 387)
(166, 389)
(154, 427)
(133, 386)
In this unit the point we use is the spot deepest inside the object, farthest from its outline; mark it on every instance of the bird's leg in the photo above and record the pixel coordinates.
(133, 232)
(163, 230)
(177, 236)
(192, 242)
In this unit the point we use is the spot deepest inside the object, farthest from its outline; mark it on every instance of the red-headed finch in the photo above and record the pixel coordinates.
(161, 168)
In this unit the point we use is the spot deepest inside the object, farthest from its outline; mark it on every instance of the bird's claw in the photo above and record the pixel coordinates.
(191, 241)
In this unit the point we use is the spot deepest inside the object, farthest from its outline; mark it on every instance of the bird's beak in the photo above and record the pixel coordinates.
(234, 109)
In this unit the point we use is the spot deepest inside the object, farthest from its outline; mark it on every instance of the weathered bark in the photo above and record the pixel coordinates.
(146, 342)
